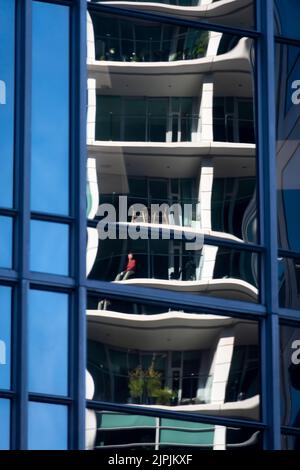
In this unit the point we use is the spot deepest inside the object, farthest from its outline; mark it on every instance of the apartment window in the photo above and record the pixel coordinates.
(233, 120)
(144, 41)
(146, 119)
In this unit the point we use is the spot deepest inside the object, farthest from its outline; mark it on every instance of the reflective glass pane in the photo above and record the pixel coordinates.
(290, 376)
(49, 247)
(239, 13)
(7, 83)
(50, 109)
(288, 148)
(286, 18)
(48, 342)
(106, 430)
(289, 283)
(6, 242)
(171, 155)
(5, 337)
(290, 442)
(4, 424)
(47, 427)
(172, 358)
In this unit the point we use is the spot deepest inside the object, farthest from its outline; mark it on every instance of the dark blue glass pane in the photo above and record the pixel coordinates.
(6, 233)
(4, 424)
(49, 247)
(48, 342)
(287, 18)
(50, 109)
(288, 139)
(7, 45)
(47, 427)
(5, 336)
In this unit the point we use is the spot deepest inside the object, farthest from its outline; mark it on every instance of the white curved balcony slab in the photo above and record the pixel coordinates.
(226, 288)
(174, 330)
(184, 231)
(248, 408)
(237, 12)
(203, 148)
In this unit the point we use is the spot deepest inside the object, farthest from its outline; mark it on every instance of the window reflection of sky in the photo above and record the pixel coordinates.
(50, 109)
(47, 427)
(5, 331)
(7, 13)
(48, 342)
(4, 424)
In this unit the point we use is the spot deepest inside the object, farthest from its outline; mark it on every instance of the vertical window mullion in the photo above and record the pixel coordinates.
(79, 156)
(268, 218)
(23, 151)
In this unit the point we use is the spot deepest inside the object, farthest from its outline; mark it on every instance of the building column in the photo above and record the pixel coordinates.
(207, 260)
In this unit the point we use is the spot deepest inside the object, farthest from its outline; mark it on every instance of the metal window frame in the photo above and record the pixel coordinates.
(21, 279)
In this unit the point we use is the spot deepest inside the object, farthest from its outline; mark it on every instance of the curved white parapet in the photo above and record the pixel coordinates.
(90, 415)
(92, 189)
(226, 288)
(92, 248)
(181, 231)
(160, 331)
(248, 408)
(206, 147)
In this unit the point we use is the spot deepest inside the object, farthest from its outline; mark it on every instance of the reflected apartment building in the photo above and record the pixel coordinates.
(171, 121)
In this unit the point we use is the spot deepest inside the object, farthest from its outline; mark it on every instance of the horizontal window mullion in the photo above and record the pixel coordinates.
(288, 254)
(51, 281)
(287, 41)
(8, 212)
(51, 399)
(291, 431)
(61, 219)
(8, 276)
(10, 394)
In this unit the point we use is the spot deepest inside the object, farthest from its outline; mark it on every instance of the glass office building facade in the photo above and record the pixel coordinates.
(149, 237)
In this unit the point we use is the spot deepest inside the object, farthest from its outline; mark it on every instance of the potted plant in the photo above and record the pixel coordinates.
(152, 382)
(136, 384)
(164, 396)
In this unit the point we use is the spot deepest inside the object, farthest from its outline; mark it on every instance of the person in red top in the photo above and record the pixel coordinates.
(129, 270)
